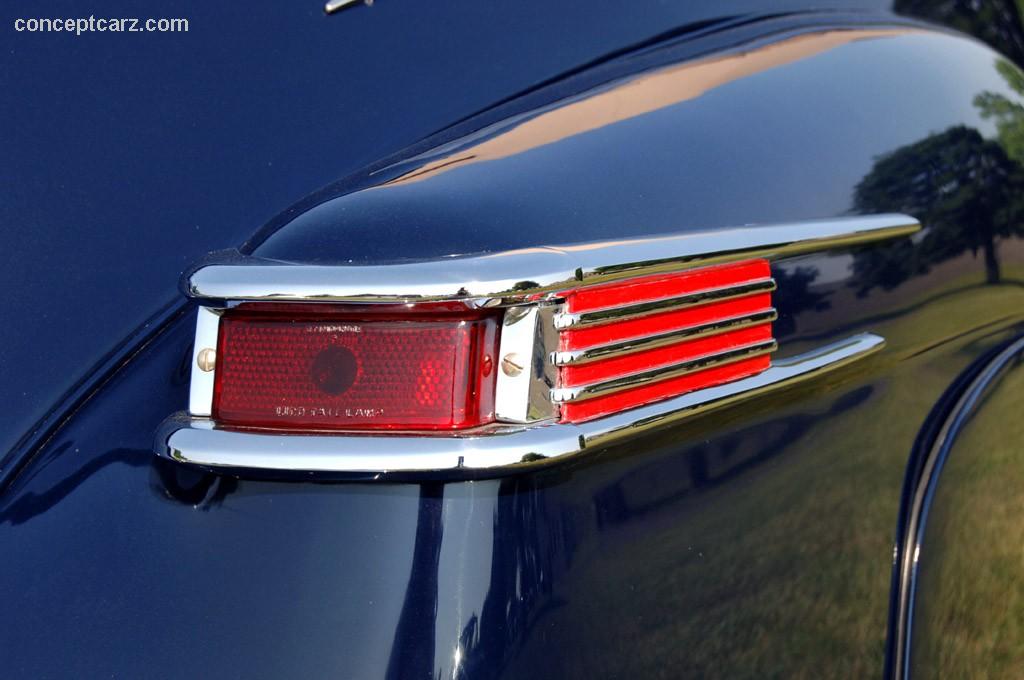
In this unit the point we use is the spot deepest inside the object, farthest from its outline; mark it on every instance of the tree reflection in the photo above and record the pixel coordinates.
(1008, 114)
(966, 190)
(799, 295)
(997, 22)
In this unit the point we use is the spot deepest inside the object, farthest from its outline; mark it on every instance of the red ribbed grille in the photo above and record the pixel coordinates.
(585, 337)
(627, 344)
(660, 286)
(666, 389)
(668, 355)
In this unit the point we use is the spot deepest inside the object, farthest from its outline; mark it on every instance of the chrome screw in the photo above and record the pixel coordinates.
(206, 359)
(512, 365)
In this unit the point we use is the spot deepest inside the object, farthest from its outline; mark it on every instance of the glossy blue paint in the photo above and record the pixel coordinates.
(129, 156)
(752, 543)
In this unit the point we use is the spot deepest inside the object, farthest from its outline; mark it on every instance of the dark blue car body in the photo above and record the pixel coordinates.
(849, 528)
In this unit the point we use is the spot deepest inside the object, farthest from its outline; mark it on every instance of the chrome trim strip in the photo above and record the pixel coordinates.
(639, 344)
(908, 545)
(200, 395)
(642, 309)
(532, 273)
(196, 441)
(562, 395)
(333, 6)
(524, 396)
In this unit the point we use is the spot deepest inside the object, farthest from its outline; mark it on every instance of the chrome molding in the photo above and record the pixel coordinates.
(523, 386)
(702, 297)
(198, 441)
(200, 397)
(333, 6)
(534, 273)
(907, 562)
(562, 395)
(626, 347)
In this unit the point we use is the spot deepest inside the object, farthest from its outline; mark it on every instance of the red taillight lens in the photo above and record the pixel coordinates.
(338, 370)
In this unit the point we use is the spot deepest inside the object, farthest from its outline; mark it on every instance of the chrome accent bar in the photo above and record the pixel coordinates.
(626, 347)
(531, 273)
(908, 551)
(200, 396)
(561, 395)
(333, 6)
(641, 309)
(524, 396)
(518, 346)
(195, 440)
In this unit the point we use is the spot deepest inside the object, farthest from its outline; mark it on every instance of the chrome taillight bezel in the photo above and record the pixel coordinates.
(529, 287)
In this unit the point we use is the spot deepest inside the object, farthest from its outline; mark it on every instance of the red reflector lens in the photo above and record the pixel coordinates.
(593, 336)
(660, 336)
(663, 356)
(658, 286)
(340, 371)
(593, 408)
